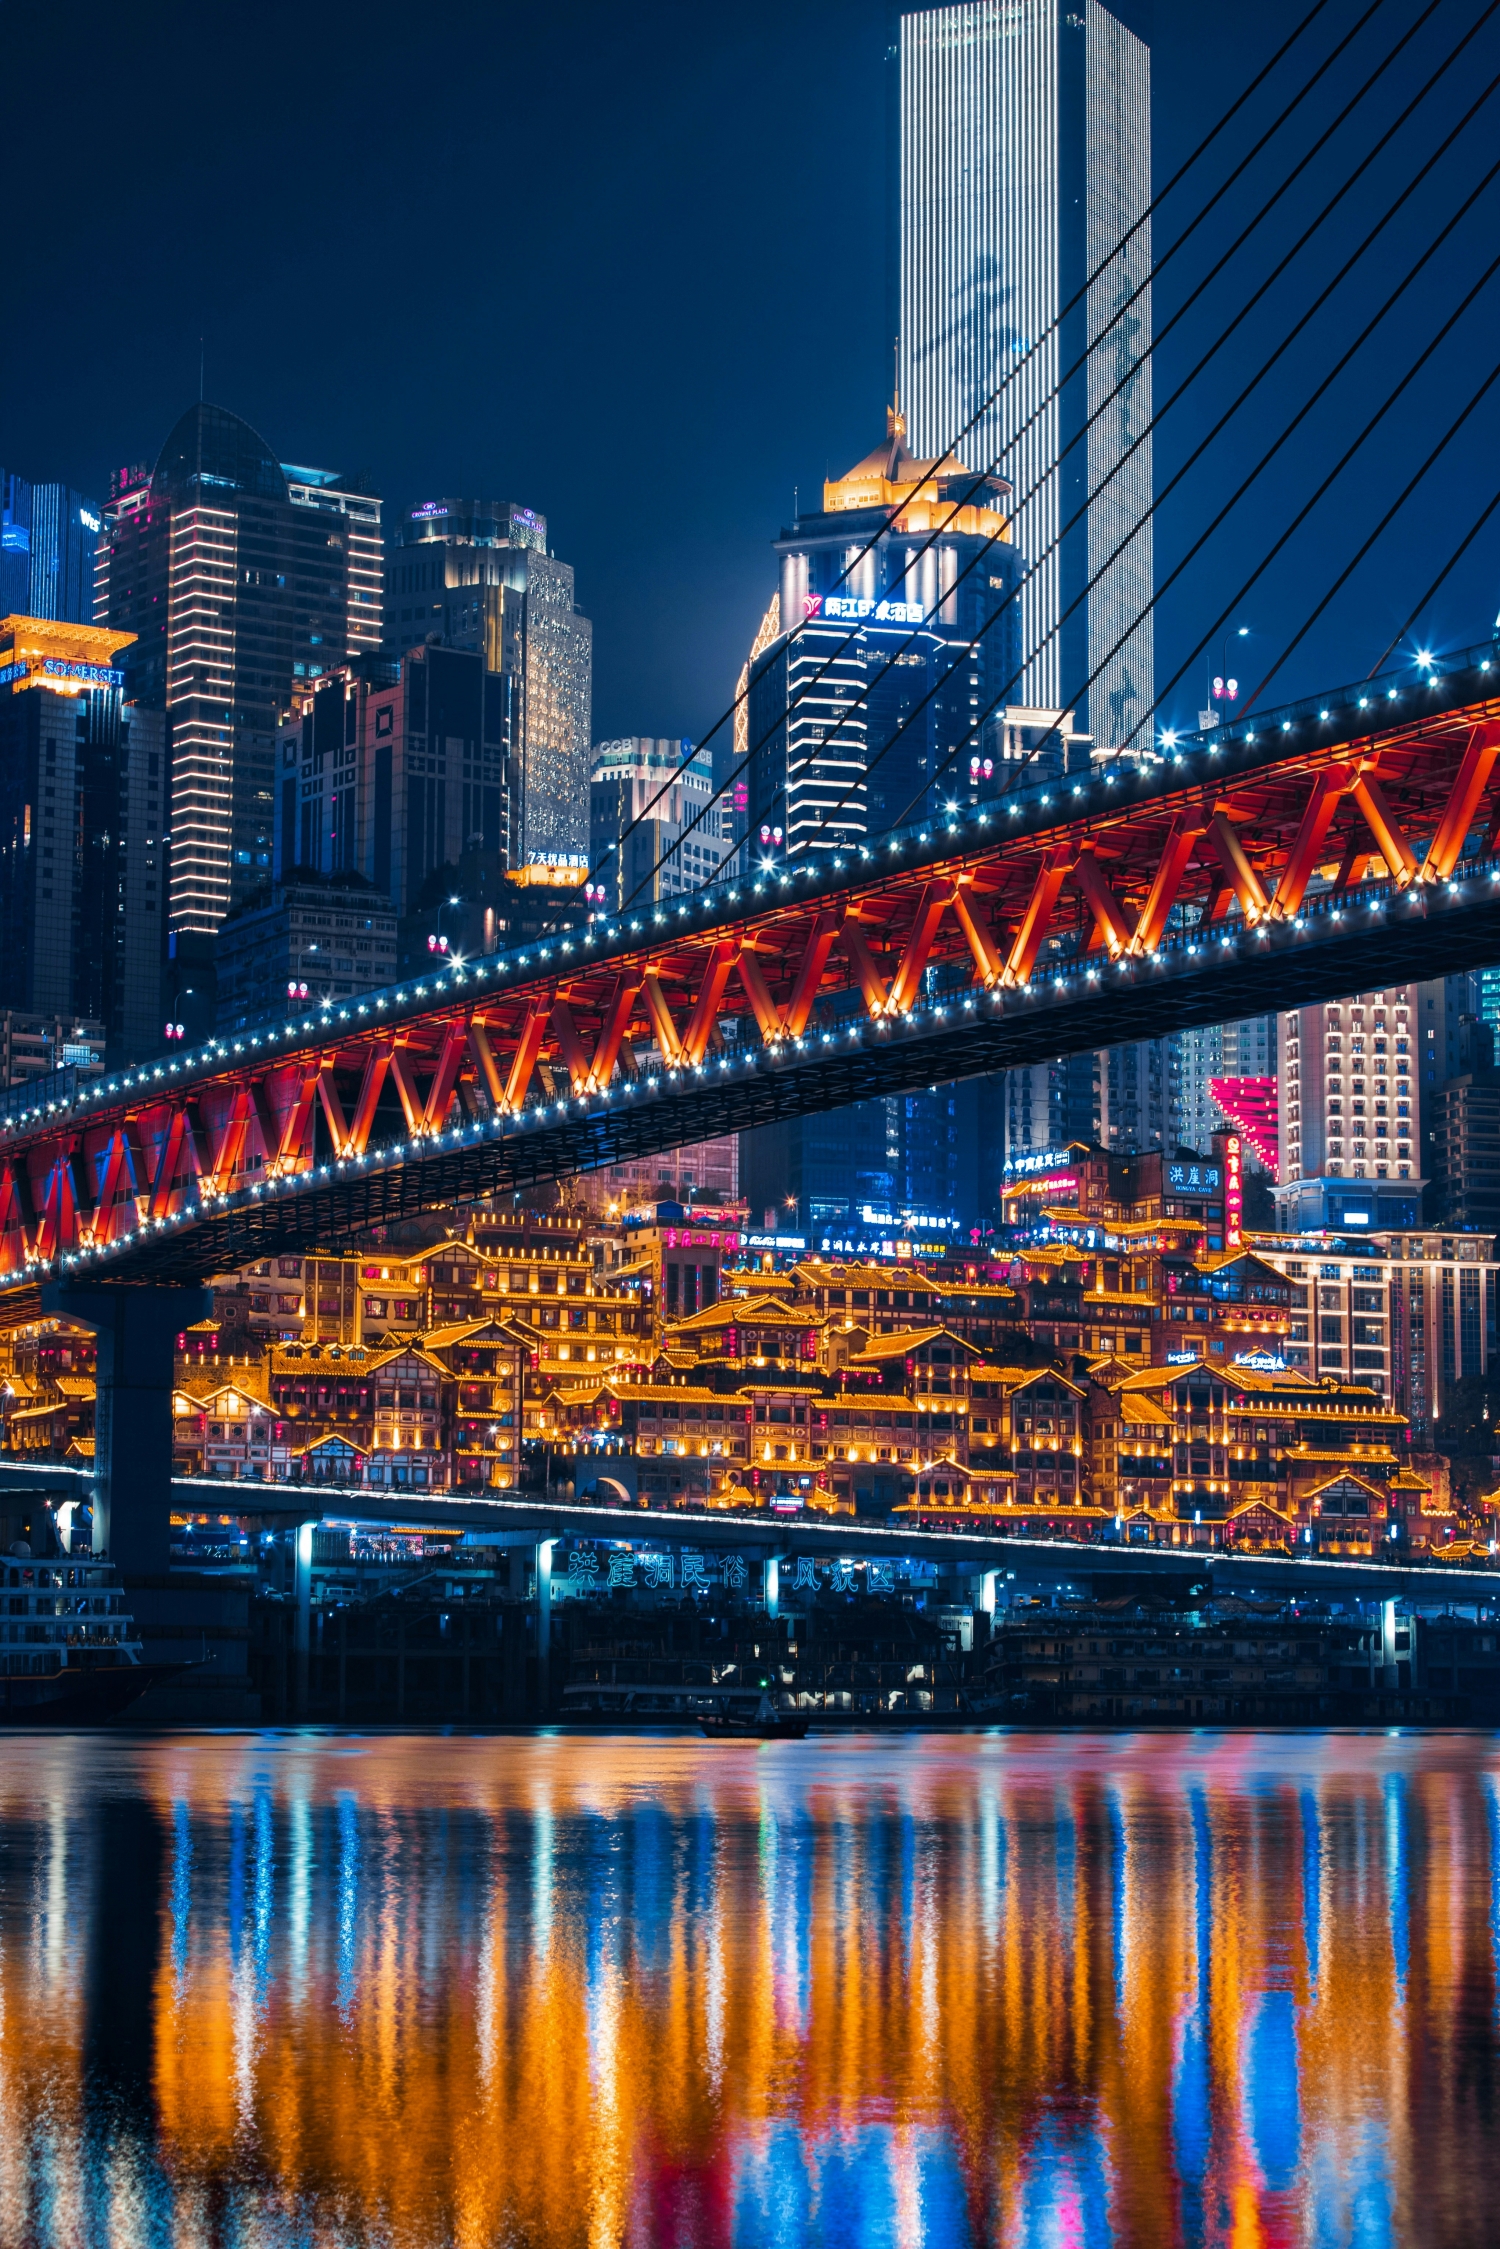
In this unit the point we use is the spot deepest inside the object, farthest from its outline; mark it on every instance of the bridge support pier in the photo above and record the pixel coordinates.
(137, 1329)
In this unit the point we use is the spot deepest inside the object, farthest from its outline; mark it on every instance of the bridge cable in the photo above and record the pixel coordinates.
(1285, 536)
(1454, 558)
(896, 656)
(1432, 245)
(1358, 557)
(981, 476)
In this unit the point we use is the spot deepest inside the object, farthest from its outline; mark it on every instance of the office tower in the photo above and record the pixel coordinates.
(477, 574)
(1357, 1089)
(82, 798)
(47, 541)
(1023, 163)
(395, 771)
(644, 797)
(872, 702)
(243, 581)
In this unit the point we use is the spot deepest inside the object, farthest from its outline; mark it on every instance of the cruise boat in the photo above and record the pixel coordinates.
(69, 1654)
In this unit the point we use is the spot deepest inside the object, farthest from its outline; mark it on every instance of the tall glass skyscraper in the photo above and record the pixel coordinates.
(1023, 161)
(47, 539)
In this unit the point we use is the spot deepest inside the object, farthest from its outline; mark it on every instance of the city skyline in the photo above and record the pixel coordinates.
(728, 438)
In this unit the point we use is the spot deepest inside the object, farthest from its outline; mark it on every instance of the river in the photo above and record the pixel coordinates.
(948, 1989)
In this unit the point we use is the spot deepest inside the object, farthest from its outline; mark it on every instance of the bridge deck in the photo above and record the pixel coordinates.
(1331, 847)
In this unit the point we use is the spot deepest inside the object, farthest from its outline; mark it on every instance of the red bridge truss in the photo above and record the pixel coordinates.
(1335, 846)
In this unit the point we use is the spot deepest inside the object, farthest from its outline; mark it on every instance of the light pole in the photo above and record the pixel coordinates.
(1221, 689)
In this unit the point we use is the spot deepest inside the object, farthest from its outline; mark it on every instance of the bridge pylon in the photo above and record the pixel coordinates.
(137, 1327)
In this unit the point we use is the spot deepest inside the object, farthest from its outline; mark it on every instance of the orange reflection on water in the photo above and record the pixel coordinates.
(997, 1989)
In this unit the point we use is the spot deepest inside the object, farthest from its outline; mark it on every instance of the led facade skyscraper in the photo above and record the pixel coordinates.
(244, 581)
(1024, 130)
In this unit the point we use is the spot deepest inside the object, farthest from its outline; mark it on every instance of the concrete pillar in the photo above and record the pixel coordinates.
(302, 1558)
(137, 1329)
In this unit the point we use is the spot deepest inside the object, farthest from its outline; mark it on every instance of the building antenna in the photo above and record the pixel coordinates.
(200, 370)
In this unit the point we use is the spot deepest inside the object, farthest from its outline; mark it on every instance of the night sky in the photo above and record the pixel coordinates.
(627, 266)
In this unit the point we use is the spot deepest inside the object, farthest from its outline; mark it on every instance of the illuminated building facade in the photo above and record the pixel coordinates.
(83, 799)
(1024, 160)
(1357, 1086)
(867, 708)
(644, 797)
(477, 575)
(243, 582)
(47, 539)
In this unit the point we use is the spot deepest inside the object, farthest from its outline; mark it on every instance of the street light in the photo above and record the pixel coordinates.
(1222, 688)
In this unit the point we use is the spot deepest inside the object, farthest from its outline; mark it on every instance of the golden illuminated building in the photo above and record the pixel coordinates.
(66, 659)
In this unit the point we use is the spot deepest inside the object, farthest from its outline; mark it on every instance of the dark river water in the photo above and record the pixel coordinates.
(1238, 1989)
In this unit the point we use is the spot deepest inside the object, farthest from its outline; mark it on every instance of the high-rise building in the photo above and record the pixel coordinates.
(243, 581)
(1356, 1102)
(300, 942)
(1222, 1050)
(394, 770)
(645, 796)
(1048, 1104)
(477, 574)
(82, 835)
(874, 698)
(47, 540)
(1022, 305)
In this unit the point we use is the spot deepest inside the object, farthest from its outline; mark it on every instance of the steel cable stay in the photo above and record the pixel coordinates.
(1452, 562)
(1381, 527)
(1303, 513)
(1071, 305)
(1264, 564)
(1431, 247)
(1096, 413)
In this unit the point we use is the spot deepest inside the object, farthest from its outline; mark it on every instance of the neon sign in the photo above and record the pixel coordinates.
(91, 675)
(1197, 1178)
(845, 607)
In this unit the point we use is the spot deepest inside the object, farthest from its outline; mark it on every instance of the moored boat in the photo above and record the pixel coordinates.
(69, 1652)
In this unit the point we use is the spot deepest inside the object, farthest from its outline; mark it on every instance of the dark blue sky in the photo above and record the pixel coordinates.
(627, 266)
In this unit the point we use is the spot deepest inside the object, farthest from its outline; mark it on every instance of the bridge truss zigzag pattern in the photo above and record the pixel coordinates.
(1335, 846)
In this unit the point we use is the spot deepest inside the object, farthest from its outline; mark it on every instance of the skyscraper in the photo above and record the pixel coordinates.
(1023, 161)
(47, 539)
(477, 574)
(244, 582)
(82, 793)
(643, 795)
(1357, 1101)
(875, 697)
